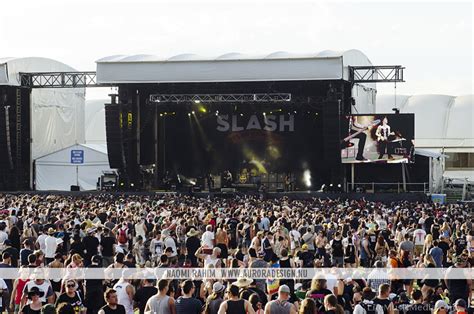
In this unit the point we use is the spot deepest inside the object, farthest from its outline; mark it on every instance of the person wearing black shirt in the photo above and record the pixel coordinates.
(417, 307)
(267, 247)
(12, 251)
(91, 244)
(112, 306)
(72, 297)
(428, 223)
(77, 246)
(435, 229)
(144, 293)
(318, 292)
(458, 288)
(444, 245)
(233, 222)
(186, 304)
(107, 243)
(192, 245)
(383, 300)
(94, 289)
(337, 251)
(25, 252)
(129, 261)
(460, 243)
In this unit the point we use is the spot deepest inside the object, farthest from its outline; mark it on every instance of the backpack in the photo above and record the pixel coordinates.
(122, 236)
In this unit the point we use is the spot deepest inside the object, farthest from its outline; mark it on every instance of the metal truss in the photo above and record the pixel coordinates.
(59, 79)
(209, 98)
(376, 74)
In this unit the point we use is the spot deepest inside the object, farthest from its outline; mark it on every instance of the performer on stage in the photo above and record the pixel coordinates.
(227, 178)
(210, 182)
(383, 134)
(288, 183)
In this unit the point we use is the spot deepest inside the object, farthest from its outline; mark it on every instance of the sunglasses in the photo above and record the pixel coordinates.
(70, 286)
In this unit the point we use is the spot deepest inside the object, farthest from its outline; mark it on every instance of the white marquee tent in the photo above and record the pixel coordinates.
(443, 125)
(57, 115)
(80, 164)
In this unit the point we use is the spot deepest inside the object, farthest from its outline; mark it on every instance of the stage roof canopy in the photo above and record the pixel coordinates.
(229, 67)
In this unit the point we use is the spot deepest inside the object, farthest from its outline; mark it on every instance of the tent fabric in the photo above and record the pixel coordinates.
(56, 172)
(57, 119)
(95, 121)
(230, 67)
(57, 115)
(441, 121)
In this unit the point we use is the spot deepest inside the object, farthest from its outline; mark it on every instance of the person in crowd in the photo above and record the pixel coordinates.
(125, 292)
(281, 304)
(234, 304)
(73, 297)
(35, 305)
(187, 304)
(160, 302)
(112, 306)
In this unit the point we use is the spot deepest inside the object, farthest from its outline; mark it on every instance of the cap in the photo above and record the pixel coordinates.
(441, 304)
(284, 289)
(217, 287)
(460, 303)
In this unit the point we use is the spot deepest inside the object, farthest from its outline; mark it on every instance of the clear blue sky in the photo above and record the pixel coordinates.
(432, 39)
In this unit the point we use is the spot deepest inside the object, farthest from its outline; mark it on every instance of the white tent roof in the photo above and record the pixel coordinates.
(229, 67)
(441, 121)
(57, 114)
(11, 67)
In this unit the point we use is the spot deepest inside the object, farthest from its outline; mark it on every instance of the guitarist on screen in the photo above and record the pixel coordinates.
(384, 135)
(357, 130)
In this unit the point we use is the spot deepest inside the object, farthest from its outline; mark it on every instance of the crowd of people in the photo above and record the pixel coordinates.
(171, 230)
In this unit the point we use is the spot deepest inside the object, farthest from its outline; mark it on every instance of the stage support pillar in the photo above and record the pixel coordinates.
(404, 178)
(352, 177)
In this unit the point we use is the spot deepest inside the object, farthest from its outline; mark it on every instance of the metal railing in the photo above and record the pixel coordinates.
(398, 187)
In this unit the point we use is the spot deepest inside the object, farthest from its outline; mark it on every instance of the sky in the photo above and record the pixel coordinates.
(433, 40)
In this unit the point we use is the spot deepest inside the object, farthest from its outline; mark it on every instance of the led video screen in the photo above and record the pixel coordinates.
(380, 138)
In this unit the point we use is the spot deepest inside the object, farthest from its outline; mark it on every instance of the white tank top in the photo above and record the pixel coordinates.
(122, 296)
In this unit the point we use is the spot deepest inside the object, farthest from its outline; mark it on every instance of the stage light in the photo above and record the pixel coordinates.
(197, 101)
(339, 185)
(193, 112)
(264, 113)
(122, 184)
(307, 178)
(217, 113)
(161, 114)
(132, 185)
(241, 114)
(189, 114)
(294, 111)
